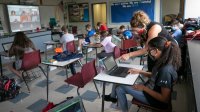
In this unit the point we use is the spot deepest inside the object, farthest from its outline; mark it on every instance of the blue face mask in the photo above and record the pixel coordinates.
(173, 28)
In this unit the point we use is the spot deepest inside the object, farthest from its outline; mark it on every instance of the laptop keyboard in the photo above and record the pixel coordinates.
(120, 72)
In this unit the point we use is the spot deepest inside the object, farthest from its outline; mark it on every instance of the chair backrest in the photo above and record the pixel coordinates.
(70, 46)
(88, 71)
(130, 43)
(117, 52)
(31, 60)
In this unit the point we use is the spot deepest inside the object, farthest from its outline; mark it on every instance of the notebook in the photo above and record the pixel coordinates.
(72, 105)
(113, 69)
(6, 46)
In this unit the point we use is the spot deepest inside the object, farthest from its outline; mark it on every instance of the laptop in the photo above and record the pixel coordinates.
(6, 46)
(112, 68)
(55, 37)
(72, 105)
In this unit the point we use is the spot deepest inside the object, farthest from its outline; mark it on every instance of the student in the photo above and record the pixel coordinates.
(168, 60)
(90, 33)
(140, 21)
(67, 37)
(21, 44)
(101, 27)
(127, 34)
(176, 31)
(107, 44)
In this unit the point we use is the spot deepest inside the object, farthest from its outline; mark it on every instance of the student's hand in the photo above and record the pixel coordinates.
(125, 57)
(139, 87)
(133, 71)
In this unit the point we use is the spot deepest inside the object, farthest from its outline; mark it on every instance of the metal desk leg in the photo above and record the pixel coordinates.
(46, 52)
(86, 54)
(102, 107)
(47, 83)
(96, 53)
(1, 67)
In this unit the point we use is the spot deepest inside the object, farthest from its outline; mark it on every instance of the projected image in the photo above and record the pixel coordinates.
(23, 18)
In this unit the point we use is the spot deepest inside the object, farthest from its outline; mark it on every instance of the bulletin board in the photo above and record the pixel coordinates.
(78, 12)
(123, 11)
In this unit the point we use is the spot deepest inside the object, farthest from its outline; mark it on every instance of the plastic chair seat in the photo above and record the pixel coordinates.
(76, 80)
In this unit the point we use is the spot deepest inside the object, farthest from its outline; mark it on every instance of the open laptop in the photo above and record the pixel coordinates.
(6, 46)
(113, 69)
(55, 37)
(72, 105)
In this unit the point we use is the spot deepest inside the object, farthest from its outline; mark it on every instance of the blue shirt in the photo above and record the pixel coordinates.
(127, 34)
(90, 34)
(177, 34)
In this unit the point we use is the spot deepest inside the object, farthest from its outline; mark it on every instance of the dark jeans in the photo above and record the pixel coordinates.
(72, 68)
(103, 54)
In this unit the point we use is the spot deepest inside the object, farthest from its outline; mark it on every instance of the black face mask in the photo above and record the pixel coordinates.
(152, 57)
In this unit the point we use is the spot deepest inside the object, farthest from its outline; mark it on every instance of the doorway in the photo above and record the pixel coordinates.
(99, 13)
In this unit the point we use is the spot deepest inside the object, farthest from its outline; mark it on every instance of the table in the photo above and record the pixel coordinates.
(5, 54)
(128, 80)
(90, 46)
(49, 43)
(62, 64)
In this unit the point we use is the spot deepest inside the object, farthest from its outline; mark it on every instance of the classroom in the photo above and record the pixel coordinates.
(99, 56)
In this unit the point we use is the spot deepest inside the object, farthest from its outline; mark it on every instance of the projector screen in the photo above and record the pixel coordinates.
(23, 18)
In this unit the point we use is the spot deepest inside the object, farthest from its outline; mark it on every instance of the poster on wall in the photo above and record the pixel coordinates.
(78, 12)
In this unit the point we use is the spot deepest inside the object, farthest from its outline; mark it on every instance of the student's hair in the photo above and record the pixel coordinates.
(170, 52)
(122, 27)
(140, 19)
(104, 33)
(175, 22)
(22, 41)
(87, 26)
(64, 28)
(99, 23)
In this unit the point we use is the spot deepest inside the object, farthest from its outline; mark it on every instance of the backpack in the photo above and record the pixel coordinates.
(8, 88)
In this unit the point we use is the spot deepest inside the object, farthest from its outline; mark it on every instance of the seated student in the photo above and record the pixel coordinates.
(67, 37)
(21, 44)
(90, 33)
(176, 31)
(107, 44)
(127, 34)
(157, 92)
(101, 27)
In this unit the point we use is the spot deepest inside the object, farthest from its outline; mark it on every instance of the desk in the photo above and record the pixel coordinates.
(62, 64)
(90, 46)
(128, 80)
(193, 48)
(49, 43)
(5, 54)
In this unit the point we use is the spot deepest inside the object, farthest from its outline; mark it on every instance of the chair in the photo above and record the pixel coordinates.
(71, 47)
(30, 61)
(117, 52)
(148, 107)
(127, 44)
(87, 74)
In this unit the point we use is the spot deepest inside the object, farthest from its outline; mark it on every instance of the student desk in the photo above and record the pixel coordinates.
(5, 54)
(62, 64)
(128, 80)
(90, 46)
(193, 50)
(49, 43)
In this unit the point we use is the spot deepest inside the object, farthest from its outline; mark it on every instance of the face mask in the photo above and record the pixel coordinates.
(173, 28)
(152, 57)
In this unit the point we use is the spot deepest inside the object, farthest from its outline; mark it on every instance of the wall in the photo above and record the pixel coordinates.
(109, 24)
(170, 7)
(4, 18)
(192, 9)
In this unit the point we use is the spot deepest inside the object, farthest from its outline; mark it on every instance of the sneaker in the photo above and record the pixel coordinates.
(110, 99)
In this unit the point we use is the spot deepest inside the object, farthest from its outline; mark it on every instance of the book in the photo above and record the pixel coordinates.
(52, 61)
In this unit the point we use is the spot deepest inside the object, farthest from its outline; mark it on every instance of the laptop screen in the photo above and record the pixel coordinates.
(72, 105)
(6, 46)
(109, 63)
